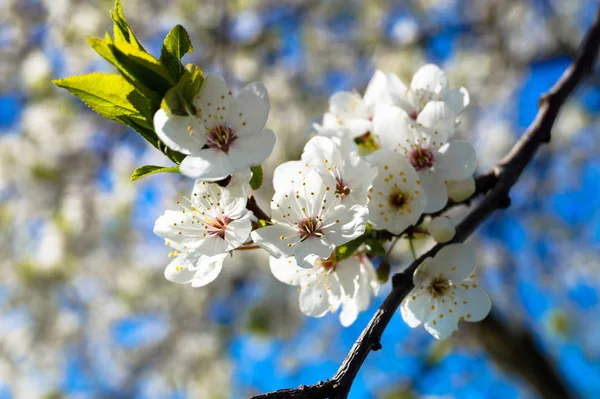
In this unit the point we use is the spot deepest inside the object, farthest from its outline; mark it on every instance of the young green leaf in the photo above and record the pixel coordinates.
(257, 177)
(179, 98)
(142, 70)
(152, 169)
(121, 29)
(108, 94)
(347, 250)
(175, 46)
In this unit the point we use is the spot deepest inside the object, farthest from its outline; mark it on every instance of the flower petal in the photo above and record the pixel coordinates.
(348, 272)
(176, 226)
(288, 172)
(344, 224)
(377, 91)
(457, 99)
(214, 100)
(438, 120)
(457, 160)
(311, 249)
(287, 270)
(475, 303)
(209, 268)
(393, 126)
(456, 261)
(441, 323)
(179, 133)
(347, 105)
(398, 93)
(252, 149)
(269, 238)
(430, 79)
(238, 231)
(415, 308)
(182, 269)
(349, 312)
(435, 188)
(314, 300)
(208, 164)
(250, 109)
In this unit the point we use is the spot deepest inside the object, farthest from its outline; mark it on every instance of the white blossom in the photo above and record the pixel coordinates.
(224, 135)
(427, 148)
(309, 220)
(445, 293)
(396, 200)
(215, 223)
(441, 229)
(429, 83)
(353, 175)
(330, 284)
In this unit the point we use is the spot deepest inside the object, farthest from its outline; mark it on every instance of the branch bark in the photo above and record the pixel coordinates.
(497, 183)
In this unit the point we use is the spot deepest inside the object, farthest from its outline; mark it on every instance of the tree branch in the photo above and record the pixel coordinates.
(497, 183)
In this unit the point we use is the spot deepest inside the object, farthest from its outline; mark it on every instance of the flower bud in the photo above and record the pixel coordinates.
(383, 271)
(460, 190)
(441, 229)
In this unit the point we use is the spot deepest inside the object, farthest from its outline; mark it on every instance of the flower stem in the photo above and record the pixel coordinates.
(411, 244)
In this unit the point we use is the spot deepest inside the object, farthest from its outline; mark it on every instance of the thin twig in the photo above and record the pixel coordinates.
(497, 182)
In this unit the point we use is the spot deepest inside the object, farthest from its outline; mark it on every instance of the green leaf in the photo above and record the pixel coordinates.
(374, 247)
(121, 28)
(108, 94)
(347, 250)
(152, 169)
(257, 177)
(179, 99)
(175, 46)
(142, 70)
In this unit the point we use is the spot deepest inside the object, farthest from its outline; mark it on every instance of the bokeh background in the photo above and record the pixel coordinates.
(85, 311)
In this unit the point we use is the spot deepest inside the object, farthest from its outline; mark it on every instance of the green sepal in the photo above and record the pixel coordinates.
(176, 44)
(152, 169)
(257, 177)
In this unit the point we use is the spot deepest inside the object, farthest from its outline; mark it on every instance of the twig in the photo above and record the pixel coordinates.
(498, 182)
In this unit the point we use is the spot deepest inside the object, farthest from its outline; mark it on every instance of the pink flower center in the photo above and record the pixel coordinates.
(413, 115)
(341, 188)
(219, 225)
(438, 287)
(309, 227)
(421, 158)
(221, 137)
(329, 263)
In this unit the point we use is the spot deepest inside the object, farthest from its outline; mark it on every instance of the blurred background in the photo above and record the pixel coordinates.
(85, 311)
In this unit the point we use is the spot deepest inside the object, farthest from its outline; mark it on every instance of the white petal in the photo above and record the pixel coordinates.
(321, 152)
(460, 190)
(174, 132)
(478, 303)
(377, 91)
(399, 94)
(346, 105)
(415, 308)
(208, 270)
(252, 149)
(456, 261)
(214, 100)
(314, 300)
(182, 269)
(434, 186)
(438, 119)
(309, 250)
(393, 127)
(209, 164)
(429, 78)
(287, 270)
(344, 224)
(238, 231)
(213, 245)
(441, 323)
(349, 312)
(288, 172)
(348, 272)
(269, 238)
(170, 226)
(456, 160)
(250, 109)
(457, 99)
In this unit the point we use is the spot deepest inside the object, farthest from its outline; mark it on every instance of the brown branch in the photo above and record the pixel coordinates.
(498, 182)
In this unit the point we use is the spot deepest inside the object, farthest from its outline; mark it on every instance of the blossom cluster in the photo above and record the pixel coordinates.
(378, 163)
